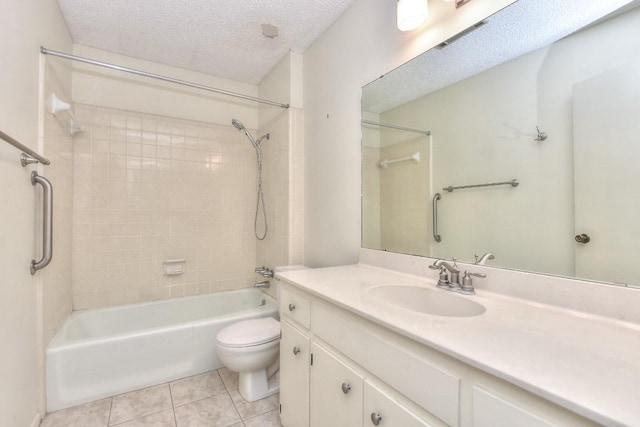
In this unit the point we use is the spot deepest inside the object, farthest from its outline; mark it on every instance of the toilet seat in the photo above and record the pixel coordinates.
(249, 333)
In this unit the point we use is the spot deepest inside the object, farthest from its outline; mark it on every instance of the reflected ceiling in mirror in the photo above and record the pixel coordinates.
(473, 113)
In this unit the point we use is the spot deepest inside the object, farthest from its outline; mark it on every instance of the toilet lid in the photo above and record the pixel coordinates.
(250, 332)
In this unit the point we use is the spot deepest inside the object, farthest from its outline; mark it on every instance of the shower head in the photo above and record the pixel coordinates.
(238, 124)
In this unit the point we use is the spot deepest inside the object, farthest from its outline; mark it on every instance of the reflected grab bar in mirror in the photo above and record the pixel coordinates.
(513, 183)
(47, 222)
(436, 236)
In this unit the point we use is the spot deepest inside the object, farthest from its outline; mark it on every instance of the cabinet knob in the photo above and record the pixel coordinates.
(376, 418)
(296, 350)
(346, 388)
(583, 238)
(292, 307)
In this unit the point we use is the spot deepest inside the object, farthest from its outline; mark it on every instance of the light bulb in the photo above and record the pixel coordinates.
(412, 14)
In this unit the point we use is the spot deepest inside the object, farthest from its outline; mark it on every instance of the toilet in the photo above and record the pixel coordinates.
(250, 347)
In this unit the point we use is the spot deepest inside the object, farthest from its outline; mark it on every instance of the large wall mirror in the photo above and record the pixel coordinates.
(539, 94)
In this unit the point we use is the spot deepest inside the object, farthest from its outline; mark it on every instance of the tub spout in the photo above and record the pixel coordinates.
(264, 284)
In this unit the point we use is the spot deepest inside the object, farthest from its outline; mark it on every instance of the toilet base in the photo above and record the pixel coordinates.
(256, 385)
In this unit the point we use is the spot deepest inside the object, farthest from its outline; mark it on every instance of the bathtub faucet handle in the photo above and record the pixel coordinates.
(264, 271)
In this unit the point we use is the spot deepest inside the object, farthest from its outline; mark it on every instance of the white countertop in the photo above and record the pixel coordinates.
(585, 363)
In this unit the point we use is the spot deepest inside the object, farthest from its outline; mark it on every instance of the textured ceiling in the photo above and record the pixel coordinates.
(523, 27)
(218, 37)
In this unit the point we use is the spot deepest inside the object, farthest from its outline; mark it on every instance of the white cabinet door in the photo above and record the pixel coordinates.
(294, 376)
(490, 410)
(382, 410)
(336, 391)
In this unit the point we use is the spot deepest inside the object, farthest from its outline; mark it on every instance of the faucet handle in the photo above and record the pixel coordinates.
(480, 275)
(466, 287)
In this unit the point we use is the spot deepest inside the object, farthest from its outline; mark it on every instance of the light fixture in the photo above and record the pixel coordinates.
(411, 14)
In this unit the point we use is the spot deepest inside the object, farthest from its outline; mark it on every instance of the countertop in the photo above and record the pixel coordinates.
(585, 363)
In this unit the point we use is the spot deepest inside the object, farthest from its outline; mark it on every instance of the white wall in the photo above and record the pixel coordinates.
(363, 44)
(283, 165)
(24, 26)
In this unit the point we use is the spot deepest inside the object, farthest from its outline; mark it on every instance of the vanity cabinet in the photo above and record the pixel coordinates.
(381, 409)
(339, 369)
(336, 391)
(492, 410)
(295, 357)
(319, 386)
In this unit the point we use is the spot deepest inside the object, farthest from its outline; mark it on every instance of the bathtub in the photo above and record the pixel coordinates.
(103, 352)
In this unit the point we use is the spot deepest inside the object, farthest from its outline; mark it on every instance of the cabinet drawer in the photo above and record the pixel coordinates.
(295, 306)
(380, 409)
(431, 388)
(490, 410)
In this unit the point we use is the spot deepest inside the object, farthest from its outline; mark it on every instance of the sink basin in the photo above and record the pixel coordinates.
(428, 301)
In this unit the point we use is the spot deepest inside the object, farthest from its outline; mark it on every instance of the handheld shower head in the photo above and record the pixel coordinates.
(238, 124)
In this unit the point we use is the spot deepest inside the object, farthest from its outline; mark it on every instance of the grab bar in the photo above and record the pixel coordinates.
(513, 183)
(436, 236)
(47, 222)
(25, 150)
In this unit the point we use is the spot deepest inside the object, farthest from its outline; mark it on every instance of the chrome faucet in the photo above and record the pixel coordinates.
(453, 269)
(264, 271)
(483, 259)
(264, 284)
(454, 283)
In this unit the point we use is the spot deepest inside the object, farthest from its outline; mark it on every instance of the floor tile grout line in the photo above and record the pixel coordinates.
(110, 408)
(260, 414)
(145, 415)
(173, 408)
(137, 418)
(203, 398)
(235, 407)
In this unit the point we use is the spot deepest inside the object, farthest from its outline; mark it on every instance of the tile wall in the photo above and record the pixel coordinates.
(405, 188)
(150, 188)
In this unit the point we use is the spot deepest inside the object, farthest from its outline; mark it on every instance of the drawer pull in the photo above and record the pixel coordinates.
(296, 350)
(346, 388)
(376, 418)
(292, 307)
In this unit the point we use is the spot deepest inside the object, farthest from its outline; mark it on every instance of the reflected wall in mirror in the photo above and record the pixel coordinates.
(576, 76)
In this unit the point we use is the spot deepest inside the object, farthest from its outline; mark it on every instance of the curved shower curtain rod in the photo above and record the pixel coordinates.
(46, 51)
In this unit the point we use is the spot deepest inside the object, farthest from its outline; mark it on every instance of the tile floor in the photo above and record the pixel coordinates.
(211, 399)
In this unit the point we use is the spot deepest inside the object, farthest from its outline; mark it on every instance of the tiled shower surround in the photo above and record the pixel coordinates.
(149, 189)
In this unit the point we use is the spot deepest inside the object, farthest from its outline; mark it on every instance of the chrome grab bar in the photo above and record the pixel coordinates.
(25, 151)
(436, 236)
(513, 183)
(47, 222)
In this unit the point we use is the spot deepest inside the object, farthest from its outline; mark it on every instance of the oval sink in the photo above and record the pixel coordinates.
(428, 301)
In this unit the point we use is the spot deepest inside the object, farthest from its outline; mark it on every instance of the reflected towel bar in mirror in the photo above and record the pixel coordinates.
(513, 183)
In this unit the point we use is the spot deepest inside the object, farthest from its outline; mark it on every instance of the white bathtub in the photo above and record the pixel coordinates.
(103, 352)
